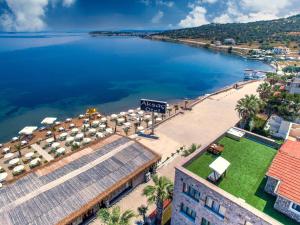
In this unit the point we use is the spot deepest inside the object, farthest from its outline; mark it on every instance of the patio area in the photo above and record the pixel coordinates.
(244, 178)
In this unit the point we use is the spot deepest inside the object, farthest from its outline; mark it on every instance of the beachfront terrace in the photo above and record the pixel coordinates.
(245, 177)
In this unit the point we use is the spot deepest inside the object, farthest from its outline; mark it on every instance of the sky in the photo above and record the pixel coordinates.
(85, 15)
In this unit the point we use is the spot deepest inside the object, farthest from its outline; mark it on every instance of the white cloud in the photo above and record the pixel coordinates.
(196, 17)
(27, 15)
(157, 17)
(209, 1)
(145, 2)
(169, 4)
(254, 10)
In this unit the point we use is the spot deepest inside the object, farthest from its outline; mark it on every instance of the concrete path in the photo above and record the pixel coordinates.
(206, 122)
(42, 152)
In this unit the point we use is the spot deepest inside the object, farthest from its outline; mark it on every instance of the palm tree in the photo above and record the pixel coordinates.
(135, 124)
(247, 108)
(126, 130)
(142, 212)
(115, 121)
(53, 130)
(176, 107)
(264, 91)
(84, 130)
(91, 112)
(185, 103)
(158, 193)
(18, 148)
(115, 217)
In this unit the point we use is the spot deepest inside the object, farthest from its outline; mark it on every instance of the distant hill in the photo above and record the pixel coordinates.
(283, 31)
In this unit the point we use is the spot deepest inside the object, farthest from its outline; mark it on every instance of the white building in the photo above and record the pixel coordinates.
(293, 86)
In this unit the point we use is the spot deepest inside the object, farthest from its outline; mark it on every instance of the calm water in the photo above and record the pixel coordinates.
(62, 74)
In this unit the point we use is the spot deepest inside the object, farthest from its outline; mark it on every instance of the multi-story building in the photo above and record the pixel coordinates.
(293, 86)
(238, 197)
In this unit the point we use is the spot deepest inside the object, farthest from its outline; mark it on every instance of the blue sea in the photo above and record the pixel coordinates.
(61, 74)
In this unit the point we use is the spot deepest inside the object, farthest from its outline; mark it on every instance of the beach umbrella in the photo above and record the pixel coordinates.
(50, 140)
(113, 116)
(18, 169)
(34, 162)
(100, 135)
(79, 136)
(14, 161)
(103, 120)
(6, 149)
(29, 155)
(68, 120)
(86, 140)
(57, 123)
(130, 111)
(27, 130)
(122, 113)
(72, 125)
(140, 128)
(70, 139)
(55, 145)
(80, 116)
(127, 124)
(9, 155)
(109, 130)
(48, 120)
(14, 139)
(3, 176)
(60, 150)
(140, 113)
(24, 142)
(95, 123)
(74, 130)
(60, 129)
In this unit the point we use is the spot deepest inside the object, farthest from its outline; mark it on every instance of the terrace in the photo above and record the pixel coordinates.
(245, 177)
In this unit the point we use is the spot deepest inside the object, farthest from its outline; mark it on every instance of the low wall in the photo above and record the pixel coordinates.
(261, 139)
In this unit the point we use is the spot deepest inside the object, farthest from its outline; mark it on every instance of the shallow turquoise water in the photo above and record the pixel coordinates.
(61, 75)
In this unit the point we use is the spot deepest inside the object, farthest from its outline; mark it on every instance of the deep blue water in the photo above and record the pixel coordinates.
(63, 74)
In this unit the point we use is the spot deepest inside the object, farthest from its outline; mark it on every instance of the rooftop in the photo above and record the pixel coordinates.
(245, 177)
(285, 167)
(59, 191)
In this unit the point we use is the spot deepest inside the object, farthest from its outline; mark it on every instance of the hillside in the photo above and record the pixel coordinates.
(284, 31)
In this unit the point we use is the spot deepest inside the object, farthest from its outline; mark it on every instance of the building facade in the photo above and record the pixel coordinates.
(197, 201)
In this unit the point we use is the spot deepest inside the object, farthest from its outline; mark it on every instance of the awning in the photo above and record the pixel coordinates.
(49, 120)
(28, 130)
(220, 165)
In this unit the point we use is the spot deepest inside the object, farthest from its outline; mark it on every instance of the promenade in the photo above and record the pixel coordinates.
(207, 120)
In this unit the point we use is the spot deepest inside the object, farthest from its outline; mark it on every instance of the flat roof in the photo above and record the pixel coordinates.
(63, 190)
(245, 177)
(286, 168)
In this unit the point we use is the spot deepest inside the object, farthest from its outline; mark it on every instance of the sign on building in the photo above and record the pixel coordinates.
(153, 106)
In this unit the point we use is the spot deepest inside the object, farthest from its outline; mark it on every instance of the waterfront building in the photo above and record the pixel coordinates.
(281, 51)
(237, 196)
(229, 41)
(72, 189)
(293, 86)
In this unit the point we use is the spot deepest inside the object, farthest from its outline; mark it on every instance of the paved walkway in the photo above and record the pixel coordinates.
(207, 121)
(42, 152)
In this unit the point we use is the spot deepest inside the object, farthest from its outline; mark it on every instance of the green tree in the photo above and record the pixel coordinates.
(115, 217)
(158, 193)
(264, 90)
(18, 149)
(247, 108)
(142, 210)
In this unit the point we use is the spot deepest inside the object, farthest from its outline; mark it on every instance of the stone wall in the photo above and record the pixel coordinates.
(271, 185)
(283, 206)
(235, 214)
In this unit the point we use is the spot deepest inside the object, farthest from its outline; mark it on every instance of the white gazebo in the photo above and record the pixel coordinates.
(3, 176)
(219, 167)
(48, 120)
(28, 130)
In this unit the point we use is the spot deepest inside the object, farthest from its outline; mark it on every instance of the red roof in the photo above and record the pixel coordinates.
(286, 168)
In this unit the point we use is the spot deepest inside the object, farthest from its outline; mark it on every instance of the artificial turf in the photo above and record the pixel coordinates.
(249, 162)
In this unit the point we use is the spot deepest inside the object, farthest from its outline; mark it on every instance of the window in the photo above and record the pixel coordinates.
(215, 207)
(191, 192)
(205, 222)
(295, 207)
(191, 214)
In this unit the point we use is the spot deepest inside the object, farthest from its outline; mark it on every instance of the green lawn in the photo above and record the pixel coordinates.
(245, 176)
